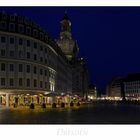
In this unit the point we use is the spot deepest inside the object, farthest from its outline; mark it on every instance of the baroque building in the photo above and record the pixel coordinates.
(70, 48)
(32, 63)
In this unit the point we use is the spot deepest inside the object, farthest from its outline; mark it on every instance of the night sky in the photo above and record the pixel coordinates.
(108, 37)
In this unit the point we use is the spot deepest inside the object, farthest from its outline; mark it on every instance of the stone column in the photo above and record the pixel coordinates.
(7, 100)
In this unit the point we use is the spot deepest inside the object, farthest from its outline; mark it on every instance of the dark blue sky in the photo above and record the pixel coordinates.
(108, 37)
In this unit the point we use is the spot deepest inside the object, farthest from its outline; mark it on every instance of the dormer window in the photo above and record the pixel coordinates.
(11, 27)
(20, 28)
(12, 17)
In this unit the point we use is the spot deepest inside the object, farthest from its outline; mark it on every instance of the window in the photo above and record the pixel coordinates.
(35, 83)
(20, 54)
(2, 66)
(11, 67)
(28, 30)
(41, 35)
(45, 61)
(35, 57)
(12, 27)
(35, 70)
(41, 71)
(41, 48)
(21, 28)
(3, 81)
(28, 43)
(35, 33)
(12, 40)
(45, 50)
(28, 82)
(20, 41)
(20, 81)
(3, 39)
(4, 16)
(12, 17)
(41, 84)
(2, 52)
(41, 59)
(35, 45)
(12, 54)
(28, 69)
(3, 25)
(28, 55)
(45, 72)
(20, 68)
(45, 84)
(11, 82)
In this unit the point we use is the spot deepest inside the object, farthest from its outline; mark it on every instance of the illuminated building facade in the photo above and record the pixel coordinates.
(132, 86)
(92, 92)
(114, 88)
(70, 48)
(31, 62)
